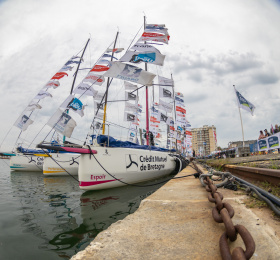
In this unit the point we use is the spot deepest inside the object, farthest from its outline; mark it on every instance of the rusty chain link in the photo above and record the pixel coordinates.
(223, 213)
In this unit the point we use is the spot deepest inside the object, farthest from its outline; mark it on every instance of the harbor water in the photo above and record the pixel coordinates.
(51, 218)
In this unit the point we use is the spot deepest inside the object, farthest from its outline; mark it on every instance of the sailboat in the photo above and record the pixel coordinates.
(108, 163)
(26, 159)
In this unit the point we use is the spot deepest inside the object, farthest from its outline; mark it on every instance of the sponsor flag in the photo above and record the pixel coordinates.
(179, 94)
(244, 103)
(154, 36)
(73, 103)
(32, 106)
(85, 89)
(131, 107)
(129, 86)
(59, 75)
(165, 106)
(164, 93)
(142, 47)
(180, 109)
(52, 84)
(98, 106)
(165, 81)
(147, 57)
(131, 96)
(116, 50)
(23, 122)
(129, 117)
(63, 123)
(131, 73)
(42, 94)
(99, 68)
(155, 26)
(94, 79)
(66, 68)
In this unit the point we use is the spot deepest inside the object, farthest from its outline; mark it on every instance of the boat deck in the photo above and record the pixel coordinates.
(176, 222)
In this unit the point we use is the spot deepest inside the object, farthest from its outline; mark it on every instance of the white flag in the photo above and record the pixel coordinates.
(165, 106)
(130, 117)
(131, 107)
(165, 93)
(141, 47)
(73, 103)
(23, 122)
(32, 106)
(85, 89)
(52, 84)
(131, 73)
(42, 94)
(148, 57)
(131, 96)
(154, 36)
(62, 123)
(165, 81)
(94, 79)
(129, 86)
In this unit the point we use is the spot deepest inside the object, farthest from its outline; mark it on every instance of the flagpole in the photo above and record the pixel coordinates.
(147, 100)
(240, 119)
(108, 84)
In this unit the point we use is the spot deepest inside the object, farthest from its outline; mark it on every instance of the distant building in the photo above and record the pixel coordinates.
(204, 140)
(240, 143)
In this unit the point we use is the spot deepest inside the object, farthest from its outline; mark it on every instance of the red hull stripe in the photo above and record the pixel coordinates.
(91, 183)
(78, 150)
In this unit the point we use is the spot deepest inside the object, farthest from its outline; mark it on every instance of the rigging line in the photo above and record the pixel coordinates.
(36, 135)
(134, 37)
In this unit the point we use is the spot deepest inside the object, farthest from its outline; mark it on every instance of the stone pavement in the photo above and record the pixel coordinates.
(176, 222)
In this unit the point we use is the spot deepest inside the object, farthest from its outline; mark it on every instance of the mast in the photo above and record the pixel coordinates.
(147, 99)
(73, 83)
(106, 93)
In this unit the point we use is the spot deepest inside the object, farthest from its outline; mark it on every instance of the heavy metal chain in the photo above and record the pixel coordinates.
(223, 213)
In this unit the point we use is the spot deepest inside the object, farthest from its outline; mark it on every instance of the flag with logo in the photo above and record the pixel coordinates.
(23, 122)
(244, 103)
(62, 122)
(130, 73)
(147, 57)
(75, 104)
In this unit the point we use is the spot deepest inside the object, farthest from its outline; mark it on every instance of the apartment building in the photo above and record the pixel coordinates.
(204, 140)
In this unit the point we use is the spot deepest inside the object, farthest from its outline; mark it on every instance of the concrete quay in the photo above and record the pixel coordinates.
(176, 222)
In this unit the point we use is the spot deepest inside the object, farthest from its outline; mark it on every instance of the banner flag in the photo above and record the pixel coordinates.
(165, 81)
(94, 79)
(141, 47)
(66, 68)
(98, 106)
(244, 103)
(129, 86)
(129, 117)
(32, 106)
(131, 73)
(52, 84)
(73, 103)
(164, 93)
(59, 75)
(167, 107)
(131, 107)
(23, 122)
(85, 89)
(148, 57)
(42, 94)
(63, 123)
(153, 36)
(155, 26)
(131, 96)
(116, 50)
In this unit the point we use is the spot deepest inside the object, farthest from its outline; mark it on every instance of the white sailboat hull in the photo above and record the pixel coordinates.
(114, 167)
(28, 163)
(61, 164)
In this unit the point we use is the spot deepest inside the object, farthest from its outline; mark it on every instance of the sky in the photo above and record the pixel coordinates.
(213, 45)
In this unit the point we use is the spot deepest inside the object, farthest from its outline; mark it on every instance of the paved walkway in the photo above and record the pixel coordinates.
(176, 222)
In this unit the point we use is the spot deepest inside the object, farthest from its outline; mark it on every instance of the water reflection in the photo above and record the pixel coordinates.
(63, 218)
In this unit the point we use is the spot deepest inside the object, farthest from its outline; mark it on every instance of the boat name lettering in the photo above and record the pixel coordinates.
(153, 158)
(150, 167)
(97, 177)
